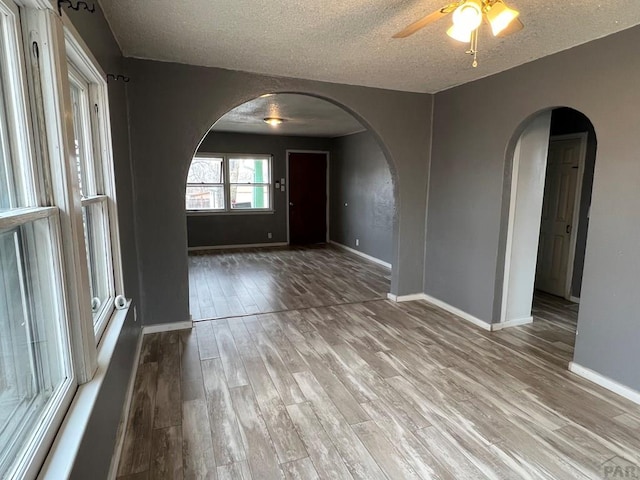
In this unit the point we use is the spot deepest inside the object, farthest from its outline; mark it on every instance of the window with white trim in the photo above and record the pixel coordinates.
(229, 183)
(37, 377)
(59, 242)
(86, 103)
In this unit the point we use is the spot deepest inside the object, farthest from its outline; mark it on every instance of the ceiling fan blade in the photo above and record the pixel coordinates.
(515, 26)
(424, 21)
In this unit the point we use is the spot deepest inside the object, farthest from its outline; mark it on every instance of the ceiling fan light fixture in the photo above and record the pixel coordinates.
(468, 16)
(500, 16)
(273, 121)
(460, 34)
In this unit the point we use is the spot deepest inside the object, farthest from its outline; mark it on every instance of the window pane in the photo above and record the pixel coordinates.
(80, 132)
(205, 170)
(7, 180)
(205, 198)
(249, 170)
(97, 241)
(33, 366)
(249, 196)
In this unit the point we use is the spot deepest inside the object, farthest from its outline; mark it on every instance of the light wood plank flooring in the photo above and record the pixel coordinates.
(372, 390)
(226, 283)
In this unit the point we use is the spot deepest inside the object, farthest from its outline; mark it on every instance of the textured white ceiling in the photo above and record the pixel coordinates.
(303, 115)
(349, 41)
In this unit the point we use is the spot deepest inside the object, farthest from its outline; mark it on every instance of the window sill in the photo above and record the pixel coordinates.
(206, 213)
(59, 463)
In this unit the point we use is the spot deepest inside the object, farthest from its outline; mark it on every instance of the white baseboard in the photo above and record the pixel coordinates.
(122, 427)
(167, 327)
(248, 245)
(361, 254)
(406, 298)
(605, 382)
(456, 311)
(516, 322)
(443, 305)
(574, 299)
(491, 327)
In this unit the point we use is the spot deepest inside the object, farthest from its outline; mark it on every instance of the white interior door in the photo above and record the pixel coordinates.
(560, 203)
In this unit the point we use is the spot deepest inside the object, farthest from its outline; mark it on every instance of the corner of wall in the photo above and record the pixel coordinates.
(426, 203)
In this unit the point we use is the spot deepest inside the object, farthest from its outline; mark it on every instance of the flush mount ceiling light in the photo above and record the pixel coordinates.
(273, 121)
(468, 15)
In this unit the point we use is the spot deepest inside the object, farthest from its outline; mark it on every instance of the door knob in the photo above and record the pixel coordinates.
(568, 230)
(291, 204)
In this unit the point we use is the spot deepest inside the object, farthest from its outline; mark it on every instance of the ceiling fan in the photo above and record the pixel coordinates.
(468, 15)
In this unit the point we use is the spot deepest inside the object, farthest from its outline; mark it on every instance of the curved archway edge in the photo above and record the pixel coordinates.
(508, 219)
(387, 154)
(173, 106)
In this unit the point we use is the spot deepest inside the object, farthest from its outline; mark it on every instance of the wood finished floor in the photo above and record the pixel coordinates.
(372, 390)
(228, 283)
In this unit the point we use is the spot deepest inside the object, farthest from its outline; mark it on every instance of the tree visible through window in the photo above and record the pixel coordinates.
(229, 182)
(205, 184)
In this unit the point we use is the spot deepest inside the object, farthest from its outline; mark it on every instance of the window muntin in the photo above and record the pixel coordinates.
(224, 183)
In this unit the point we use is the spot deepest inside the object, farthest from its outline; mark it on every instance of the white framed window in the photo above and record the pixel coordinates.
(95, 211)
(37, 374)
(205, 184)
(93, 163)
(225, 183)
(59, 242)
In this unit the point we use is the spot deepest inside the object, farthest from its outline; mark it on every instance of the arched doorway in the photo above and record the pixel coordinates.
(290, 169)
(550, 195)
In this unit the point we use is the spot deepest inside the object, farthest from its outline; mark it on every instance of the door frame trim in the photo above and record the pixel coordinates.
(575, 221)
(327, 155)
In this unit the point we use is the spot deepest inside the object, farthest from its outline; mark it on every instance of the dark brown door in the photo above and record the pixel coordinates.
(307, 198)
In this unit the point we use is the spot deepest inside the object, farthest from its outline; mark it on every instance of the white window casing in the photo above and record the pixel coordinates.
(82, 59)
(51, 338)
(45, 29)
(227, 185)
(34, 278)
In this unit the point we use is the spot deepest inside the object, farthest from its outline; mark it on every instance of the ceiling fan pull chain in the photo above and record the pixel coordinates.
(473, 48)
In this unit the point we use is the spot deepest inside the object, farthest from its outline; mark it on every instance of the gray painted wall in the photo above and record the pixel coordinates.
(359, 176)
(361, 179)
(98, 442)
(474, 130)
(172, 106)
(565, 121)
(243, 229)
(475, 127)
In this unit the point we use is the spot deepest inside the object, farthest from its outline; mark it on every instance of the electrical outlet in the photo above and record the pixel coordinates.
(269, 235)
(357, 242)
